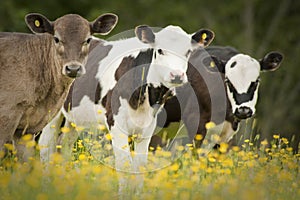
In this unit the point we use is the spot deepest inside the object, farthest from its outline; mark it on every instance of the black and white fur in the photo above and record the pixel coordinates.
(225, 85)
(134, 77)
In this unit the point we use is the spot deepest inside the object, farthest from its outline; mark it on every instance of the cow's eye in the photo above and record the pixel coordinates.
(56, 40)
(233, 64)
(160, 51)
(88, 40)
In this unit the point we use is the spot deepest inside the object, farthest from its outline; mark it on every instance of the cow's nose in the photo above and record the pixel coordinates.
(73, 71)
(243, 112)
(177, 77)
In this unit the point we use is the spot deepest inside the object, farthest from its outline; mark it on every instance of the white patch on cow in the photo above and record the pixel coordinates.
(135, 121)
(87, 114)
(172, 47)
(109, 65)
(139, 122)
(241, 75)
(48, 138)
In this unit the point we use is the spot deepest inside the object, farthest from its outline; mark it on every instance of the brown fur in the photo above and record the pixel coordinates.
(33, 86)
(193, 101)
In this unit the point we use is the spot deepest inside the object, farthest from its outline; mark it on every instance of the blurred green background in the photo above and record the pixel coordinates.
(254, 27)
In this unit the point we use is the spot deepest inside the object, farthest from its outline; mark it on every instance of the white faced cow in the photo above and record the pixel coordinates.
(134, 78)
(37, 70)
(224, 98)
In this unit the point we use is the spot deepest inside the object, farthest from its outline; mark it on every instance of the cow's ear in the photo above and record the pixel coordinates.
(104, 23)
(213, 64)
(203, 37)
(39, 23)
(271, 61)
(145, 34)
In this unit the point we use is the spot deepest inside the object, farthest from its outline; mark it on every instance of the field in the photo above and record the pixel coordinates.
(247, 172)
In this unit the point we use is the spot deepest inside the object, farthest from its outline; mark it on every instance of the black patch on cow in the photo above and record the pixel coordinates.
(131, 77)
(244, 97)
(233, 64)
(158, 95)
(108, 103)
(131, 84)
(98, 93)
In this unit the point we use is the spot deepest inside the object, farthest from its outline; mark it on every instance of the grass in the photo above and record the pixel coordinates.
(243, 172)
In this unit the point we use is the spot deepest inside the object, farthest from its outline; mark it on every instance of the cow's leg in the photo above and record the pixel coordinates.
(9, 121)
(48, 139)
(123, 159)
(141, 153)
(140, 158)
(121, 149)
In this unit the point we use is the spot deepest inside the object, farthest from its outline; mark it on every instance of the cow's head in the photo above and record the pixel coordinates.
(172, 48)
(72, 35)
(242, 80)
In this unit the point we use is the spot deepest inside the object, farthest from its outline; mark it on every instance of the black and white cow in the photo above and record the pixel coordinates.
(224, 98)
(129, 80)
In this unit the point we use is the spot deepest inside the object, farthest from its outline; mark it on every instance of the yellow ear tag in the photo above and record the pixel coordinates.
(212, 64)
(37, 23)
(204, 36)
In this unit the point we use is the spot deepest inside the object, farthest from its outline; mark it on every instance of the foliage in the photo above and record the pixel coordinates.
(254, 27)
(244, 173)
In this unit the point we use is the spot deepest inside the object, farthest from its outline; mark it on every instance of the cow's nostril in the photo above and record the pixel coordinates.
(177, 77)
(243, 112)
(73, 71)
(74, 68)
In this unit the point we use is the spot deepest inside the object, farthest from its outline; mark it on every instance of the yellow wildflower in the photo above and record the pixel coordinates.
(211, 159)
(42, 196)
(198, 137)
(290, 149)
(73, 124)
(223, 147)
(30, 144)
(81, 157)
(209, 125)
(27, 137)
(2, 154)
(235, 148)
(108, 136)
(102, 127)
(65, 129)
(174, 167)
(9, 147)
(276, 136)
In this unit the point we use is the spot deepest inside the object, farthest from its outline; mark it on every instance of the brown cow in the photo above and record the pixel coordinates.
(36, 70)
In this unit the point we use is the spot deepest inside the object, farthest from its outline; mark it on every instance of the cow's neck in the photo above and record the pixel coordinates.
(52, 87)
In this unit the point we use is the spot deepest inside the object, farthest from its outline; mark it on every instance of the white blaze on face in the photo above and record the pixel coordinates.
(242, 73)
(172, 49)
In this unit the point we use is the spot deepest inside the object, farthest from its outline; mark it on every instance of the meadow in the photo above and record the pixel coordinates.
(246, 172)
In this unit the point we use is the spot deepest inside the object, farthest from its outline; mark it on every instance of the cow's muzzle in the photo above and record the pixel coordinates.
(74, 71)
(243, 112)
(177, 77)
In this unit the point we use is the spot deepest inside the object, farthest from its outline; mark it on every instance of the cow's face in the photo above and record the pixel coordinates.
(171, 50)
(71, 38)
(242, 80)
